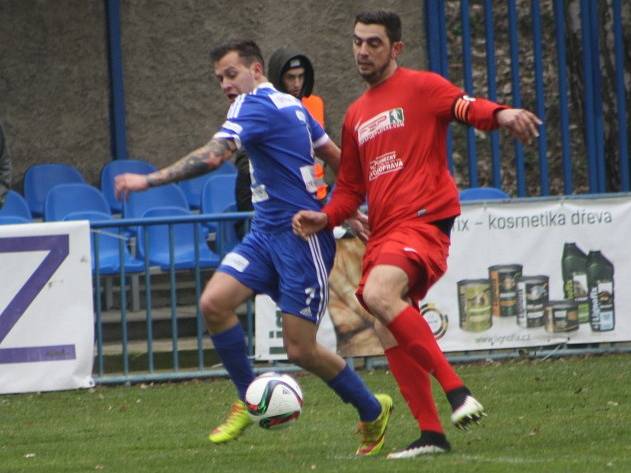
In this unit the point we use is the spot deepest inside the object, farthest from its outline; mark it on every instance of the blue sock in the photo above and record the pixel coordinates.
(231, 348)
(351, 388)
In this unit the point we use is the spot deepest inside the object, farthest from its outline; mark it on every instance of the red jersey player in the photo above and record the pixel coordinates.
(393, 152)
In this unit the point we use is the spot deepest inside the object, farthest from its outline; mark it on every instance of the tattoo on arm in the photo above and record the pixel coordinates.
(196, 163)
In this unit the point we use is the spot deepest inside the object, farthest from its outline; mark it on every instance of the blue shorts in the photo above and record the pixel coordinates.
(292, 271)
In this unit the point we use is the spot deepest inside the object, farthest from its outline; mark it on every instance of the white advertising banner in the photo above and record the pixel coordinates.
(520, 274)
(530, 273)
(269, 330)
(46, 312)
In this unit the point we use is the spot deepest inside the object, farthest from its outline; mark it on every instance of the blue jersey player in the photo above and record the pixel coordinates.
(281, 139)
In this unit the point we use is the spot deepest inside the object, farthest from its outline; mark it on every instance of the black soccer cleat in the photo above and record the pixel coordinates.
(429, 443)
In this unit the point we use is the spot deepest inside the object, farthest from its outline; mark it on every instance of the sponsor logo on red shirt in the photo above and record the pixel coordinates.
(384, 121)
(384, 164)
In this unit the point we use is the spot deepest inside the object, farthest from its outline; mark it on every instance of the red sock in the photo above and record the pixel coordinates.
(416, 388)
(413, 334)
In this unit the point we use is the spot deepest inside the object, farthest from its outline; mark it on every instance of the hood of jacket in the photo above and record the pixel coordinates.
(279, 62)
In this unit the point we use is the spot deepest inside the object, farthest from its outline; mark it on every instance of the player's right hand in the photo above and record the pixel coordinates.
(520, 123)
(307, 222)
(126, 183)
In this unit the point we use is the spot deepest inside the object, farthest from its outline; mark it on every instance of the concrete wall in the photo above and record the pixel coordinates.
(54, 84)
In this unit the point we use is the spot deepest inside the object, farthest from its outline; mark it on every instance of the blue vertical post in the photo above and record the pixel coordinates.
(621, 102)
(433, 39)
(117, 94)
(515, 84)
(98, 321)
(468, 87)
(148, 304)
(442, 35)
(540, 98)
(566, 158)
(599, 129)
(198, 292)
(588, 97)
(437, 50)
(491, 73)
(173, 299)
(444, 69)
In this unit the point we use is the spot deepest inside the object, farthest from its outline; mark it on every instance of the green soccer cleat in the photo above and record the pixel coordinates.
(373, 433)
(238, 420)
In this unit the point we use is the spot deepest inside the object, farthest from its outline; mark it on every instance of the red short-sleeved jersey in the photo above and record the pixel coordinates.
(394, 150)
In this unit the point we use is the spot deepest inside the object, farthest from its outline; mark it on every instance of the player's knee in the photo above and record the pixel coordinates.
(377, 299)
(213, 312)
(299, 355)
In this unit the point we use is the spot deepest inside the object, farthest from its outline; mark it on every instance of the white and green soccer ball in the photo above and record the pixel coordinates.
(274, 400)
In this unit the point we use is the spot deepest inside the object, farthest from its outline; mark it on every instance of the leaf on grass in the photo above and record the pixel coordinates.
(533, 432)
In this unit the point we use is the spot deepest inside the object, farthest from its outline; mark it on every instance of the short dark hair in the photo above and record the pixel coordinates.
(247, 49)
(390, 20)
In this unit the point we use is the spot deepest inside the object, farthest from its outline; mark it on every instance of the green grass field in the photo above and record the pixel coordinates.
(568, 415)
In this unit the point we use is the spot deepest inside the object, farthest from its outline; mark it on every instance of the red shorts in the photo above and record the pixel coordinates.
(418, 248)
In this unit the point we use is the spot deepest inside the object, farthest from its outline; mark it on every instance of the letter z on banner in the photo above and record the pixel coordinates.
(46, 313)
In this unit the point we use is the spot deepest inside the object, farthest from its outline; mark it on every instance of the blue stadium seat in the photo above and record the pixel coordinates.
(15, 206)
(168, 195)
(157, 237)
(113, 169)
(483, 193)
(109, 245)
(12, 220)
(40, 178)
(66, 198)
(193, 188)
(218, 197)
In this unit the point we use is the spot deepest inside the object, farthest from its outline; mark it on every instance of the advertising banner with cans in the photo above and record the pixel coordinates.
(533, 273)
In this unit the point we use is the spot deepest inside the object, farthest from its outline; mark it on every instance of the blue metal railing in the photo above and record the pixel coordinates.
(584, 159)
(152, 370)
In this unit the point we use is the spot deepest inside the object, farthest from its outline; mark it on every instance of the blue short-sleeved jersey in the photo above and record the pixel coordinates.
(279, 136)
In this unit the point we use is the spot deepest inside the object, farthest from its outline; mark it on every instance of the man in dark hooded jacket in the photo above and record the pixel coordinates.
(291, 72)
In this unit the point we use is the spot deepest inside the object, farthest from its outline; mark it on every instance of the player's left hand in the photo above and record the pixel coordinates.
(521, 123)
(307, 222)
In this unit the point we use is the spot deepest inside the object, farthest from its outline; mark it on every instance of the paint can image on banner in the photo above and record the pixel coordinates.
(561, 316)
(600, 288)
(474, 305)
(532, 297)
(504, 289)
(574, 271)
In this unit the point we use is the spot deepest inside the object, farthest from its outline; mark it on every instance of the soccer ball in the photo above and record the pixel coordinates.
(274, 400)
